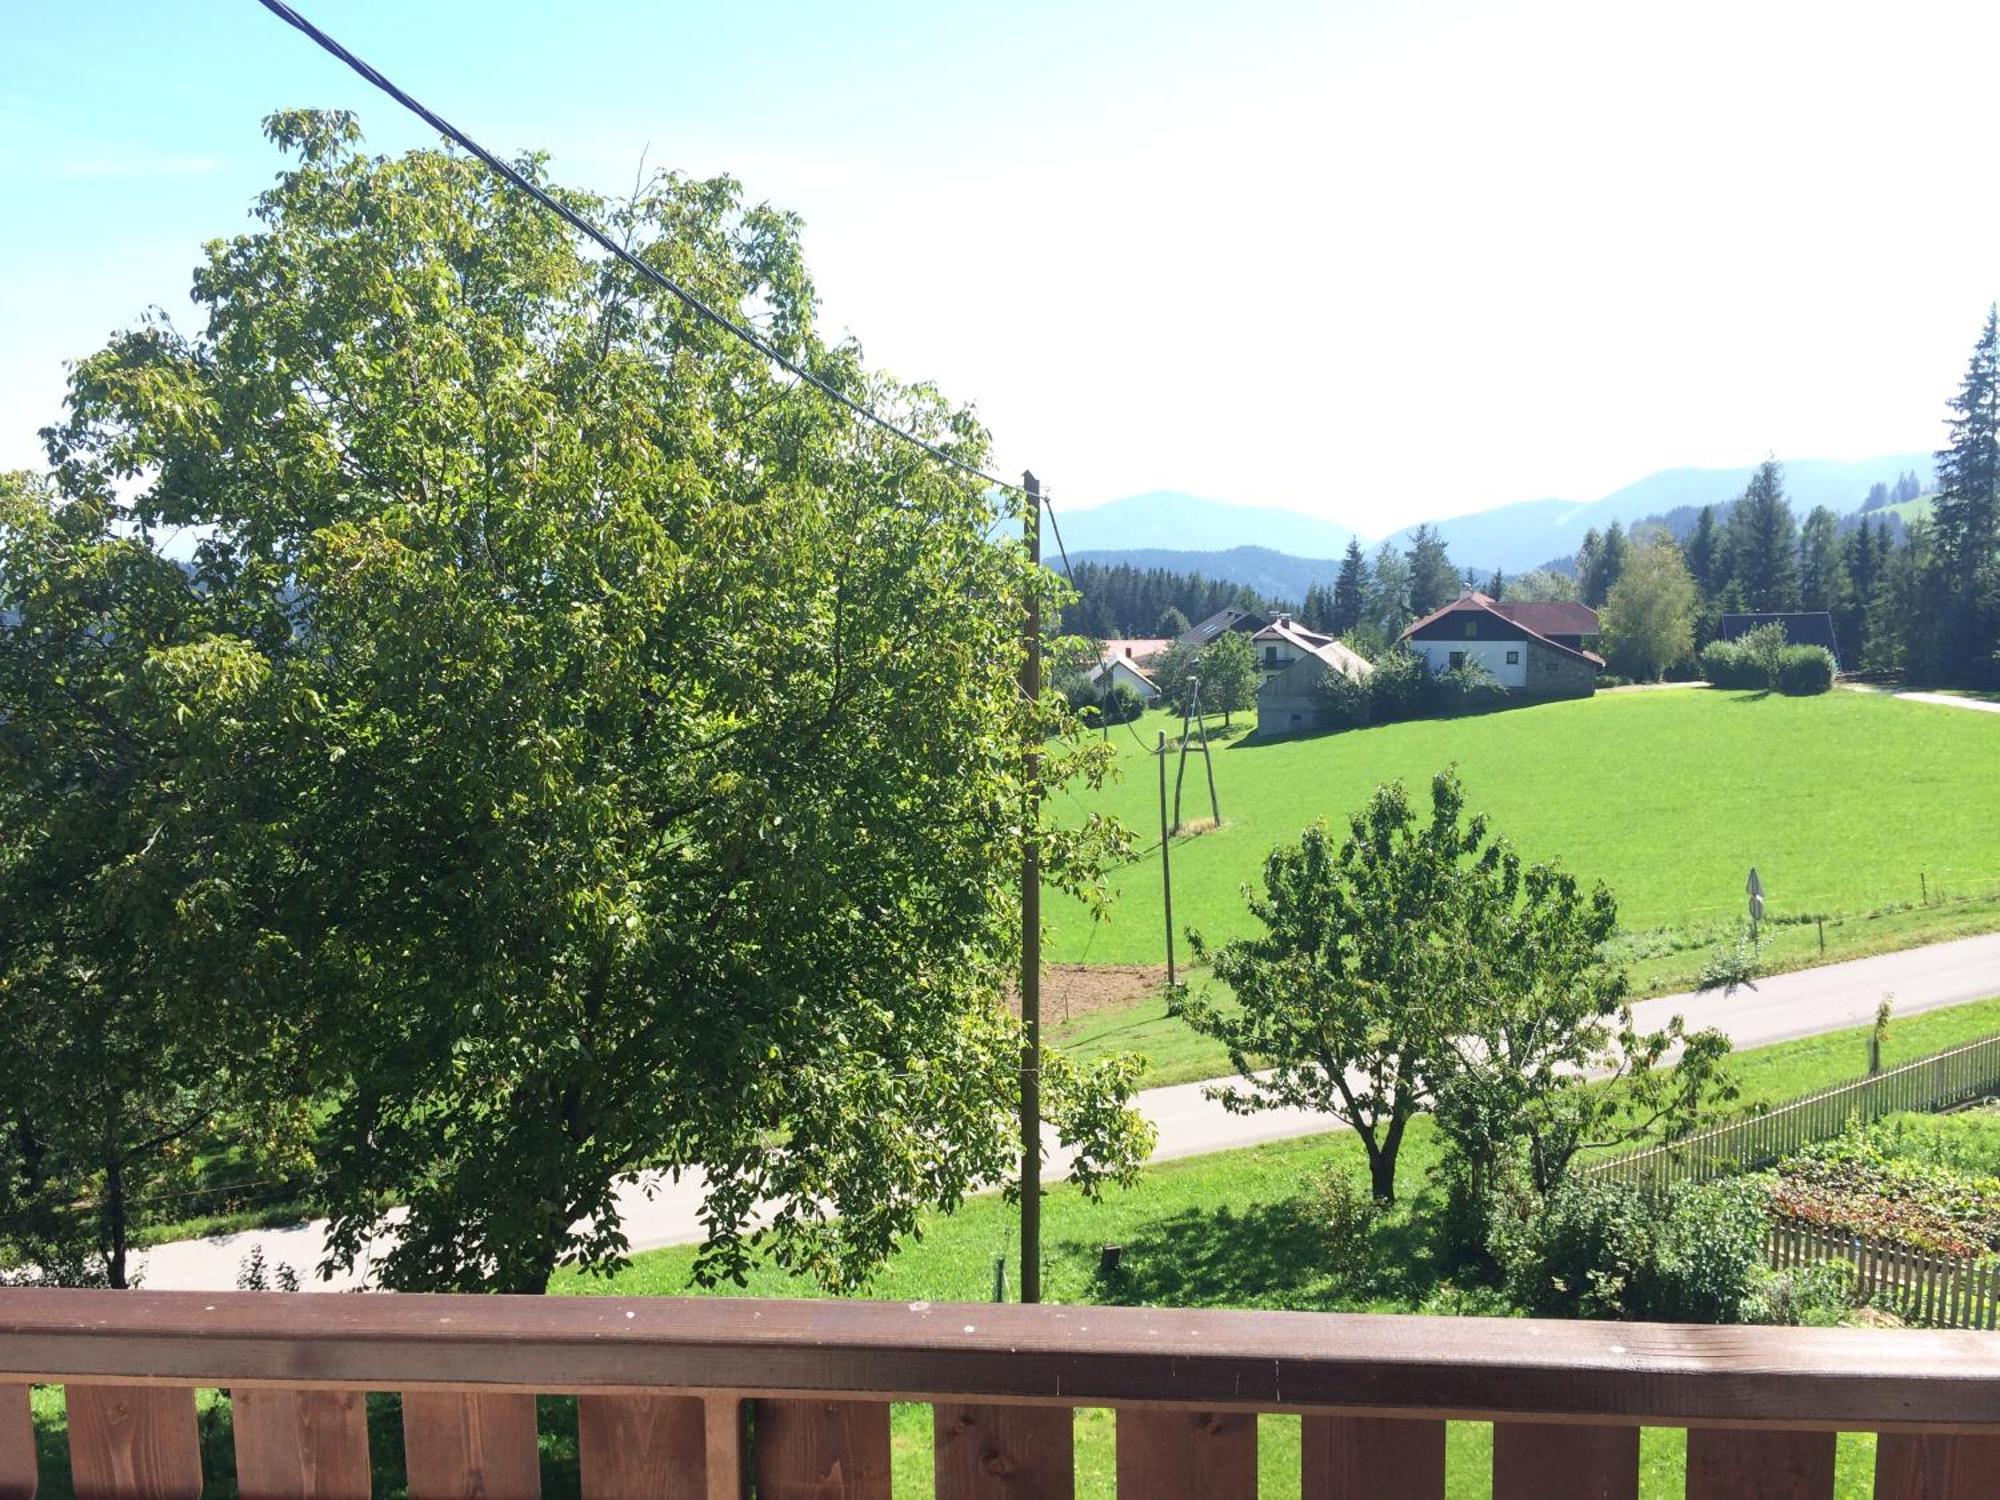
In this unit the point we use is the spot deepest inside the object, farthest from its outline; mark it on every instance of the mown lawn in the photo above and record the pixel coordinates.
(1847, 803)
(1235, 1229)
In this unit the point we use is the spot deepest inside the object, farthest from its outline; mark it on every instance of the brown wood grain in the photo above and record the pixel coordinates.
(1004, 1452)
(1935, 1468)
(301, 1445)
(727, 1433)
(1187, 1455)
(133, 1442)
(1200, 1359)
(1359, 1458)
(1732, 1464)
(1556, 1461)
(822, 1450)
(458, 1447)
(17, 1444)
(642, 1447)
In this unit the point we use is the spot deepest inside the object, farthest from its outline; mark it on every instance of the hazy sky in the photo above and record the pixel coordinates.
(1376, 261)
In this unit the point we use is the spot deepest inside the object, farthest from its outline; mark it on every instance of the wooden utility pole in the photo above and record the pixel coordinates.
(1166, 858)
(1031, 915)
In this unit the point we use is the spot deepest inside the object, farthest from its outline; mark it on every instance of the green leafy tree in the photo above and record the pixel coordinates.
(1171, 624)
(1177, 674)
(1542, 586)
(121, 968)
(1648, 620)
(1433, 580)
(1549, 1061)
(642, 735)
(1389, 592)
(1229, 675)
(1361, 973)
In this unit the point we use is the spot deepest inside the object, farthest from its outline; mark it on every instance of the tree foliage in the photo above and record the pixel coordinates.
(1229, 675)
(636, 736)
(1649, 616)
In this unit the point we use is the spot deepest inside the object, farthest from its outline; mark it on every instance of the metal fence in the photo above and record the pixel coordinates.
(1937, 1291)
(1936, 1082)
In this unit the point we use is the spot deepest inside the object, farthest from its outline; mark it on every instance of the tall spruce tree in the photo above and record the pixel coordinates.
(1606, 563)
(1850, 621)
(1763, 545)
(1350, 590)
(1389, 596)
(1433, 580)
(1965, 521)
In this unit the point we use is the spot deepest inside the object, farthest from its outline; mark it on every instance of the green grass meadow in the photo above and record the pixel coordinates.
(1847, 804)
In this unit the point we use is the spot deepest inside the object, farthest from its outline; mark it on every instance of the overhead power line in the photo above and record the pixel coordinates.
(583, 226)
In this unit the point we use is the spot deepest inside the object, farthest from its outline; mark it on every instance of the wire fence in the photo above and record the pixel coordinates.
(1943, 1079)
(1936, 1291)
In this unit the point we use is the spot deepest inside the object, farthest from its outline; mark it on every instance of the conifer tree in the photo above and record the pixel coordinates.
(1965, 522)
(1607, 561)
(1350, 590)
(1762, 545)
(1433, 580)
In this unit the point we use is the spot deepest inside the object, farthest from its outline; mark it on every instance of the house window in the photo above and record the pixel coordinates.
(1458, 658)
(1471, 629)
(1513, 658)
(1270, 656)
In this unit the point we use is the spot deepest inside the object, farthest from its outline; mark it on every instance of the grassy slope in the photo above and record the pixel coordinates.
(1839, 801)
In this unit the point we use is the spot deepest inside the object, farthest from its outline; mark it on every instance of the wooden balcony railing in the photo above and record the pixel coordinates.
(698, 1398)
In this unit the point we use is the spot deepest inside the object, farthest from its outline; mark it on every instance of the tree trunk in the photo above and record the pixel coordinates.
(114, 1224)
(1382, 1159)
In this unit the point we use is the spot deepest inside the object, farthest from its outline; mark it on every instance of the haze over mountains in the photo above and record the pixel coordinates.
(1281, 551)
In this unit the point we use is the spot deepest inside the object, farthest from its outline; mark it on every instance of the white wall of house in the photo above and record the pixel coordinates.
(1492, 655)
(1121, 671)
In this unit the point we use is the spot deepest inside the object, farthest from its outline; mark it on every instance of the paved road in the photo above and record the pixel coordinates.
(662, 1212)
(1942, 700)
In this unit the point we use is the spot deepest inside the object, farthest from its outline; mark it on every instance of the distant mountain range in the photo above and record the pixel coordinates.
(1282, 552)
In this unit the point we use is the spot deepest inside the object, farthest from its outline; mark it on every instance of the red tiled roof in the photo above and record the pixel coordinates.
(1551, 617)
(1476, 601)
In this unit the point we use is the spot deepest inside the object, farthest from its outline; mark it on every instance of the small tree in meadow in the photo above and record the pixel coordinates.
(1361, 973)
(1229, 674)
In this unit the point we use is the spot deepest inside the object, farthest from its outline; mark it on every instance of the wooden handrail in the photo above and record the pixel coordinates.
(1357, 1364)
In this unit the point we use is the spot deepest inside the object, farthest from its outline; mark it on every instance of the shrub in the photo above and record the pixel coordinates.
(1397, 686)
(1764, 648)
(1462, 689)
(1586, 1253)
(1345, 1210)
(1805, 669)
(1725, 665)
(1602, 1250)
(1815, 1296)
(1710, 1266)
(1343, 702)
(1612, 680)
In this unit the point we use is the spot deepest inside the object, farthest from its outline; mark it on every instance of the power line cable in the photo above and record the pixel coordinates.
(583, 226)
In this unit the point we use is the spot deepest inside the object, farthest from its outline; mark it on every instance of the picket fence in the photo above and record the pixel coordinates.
(1936, 1291)
(1940, 1081)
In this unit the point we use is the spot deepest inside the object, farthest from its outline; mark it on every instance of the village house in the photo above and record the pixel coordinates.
(1246, 620)
(1126, 659)
(1294, 661)
(1537, 650)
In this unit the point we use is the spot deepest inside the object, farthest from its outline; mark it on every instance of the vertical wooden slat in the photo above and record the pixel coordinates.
(822, 1450)
(17, 1444)
(642, 1447)
(1004, 1452)
(459, 1447)
(1910, 1466)
(1359, 1458)
(131, 1442)
(301, 1445)
(1749, 1464)
(1564, 1461)
(1187, 1455)
(726, 1428)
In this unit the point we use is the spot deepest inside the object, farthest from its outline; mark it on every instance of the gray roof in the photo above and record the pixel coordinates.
(1803, 627)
